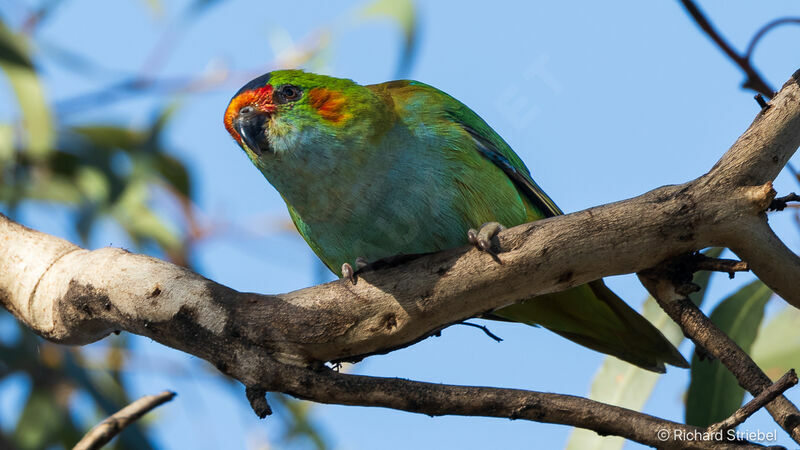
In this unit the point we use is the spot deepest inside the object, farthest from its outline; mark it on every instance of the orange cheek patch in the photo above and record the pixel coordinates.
(329, 104)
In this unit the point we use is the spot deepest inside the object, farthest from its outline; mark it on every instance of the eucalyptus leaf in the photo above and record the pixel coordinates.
(93, 184)
(141, 223)
(6, 144)
(13, 50)
(714, 393)
(161, 122)
(49, 188)
(16, 63)
(301, 424)
(622, 384)
(111, 137)
(174, 172)
(777, 346)
(44, 422)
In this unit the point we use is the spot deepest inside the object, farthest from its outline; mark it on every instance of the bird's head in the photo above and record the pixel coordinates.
(288, 111)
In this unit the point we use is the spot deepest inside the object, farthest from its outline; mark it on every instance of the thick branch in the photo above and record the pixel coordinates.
(71, 295)
(769, 258)
(437, 399)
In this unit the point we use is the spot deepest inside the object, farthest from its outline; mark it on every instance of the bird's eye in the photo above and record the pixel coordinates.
(290, 93)
(246, 110)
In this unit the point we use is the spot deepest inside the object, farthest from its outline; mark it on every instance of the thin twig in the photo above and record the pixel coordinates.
(729, 266)
(485, 330)
(761, 102)
(780, 203)
(103, 432)
(145, 84)
(140, 86)
(35, 19)
(766, 29)
(754, 80)
(769, 394)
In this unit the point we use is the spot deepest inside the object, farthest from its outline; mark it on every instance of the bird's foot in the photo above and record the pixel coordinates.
(349, 273)
(482, 238)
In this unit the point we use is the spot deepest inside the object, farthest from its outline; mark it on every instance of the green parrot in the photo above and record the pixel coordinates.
(369, 172)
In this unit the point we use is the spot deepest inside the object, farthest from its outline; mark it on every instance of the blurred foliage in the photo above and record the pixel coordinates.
(622, 384)
(56, 373)
(403, 13)
(714, 393)
(97, 171)
(784, 328)
(110, 173)
(17, 65)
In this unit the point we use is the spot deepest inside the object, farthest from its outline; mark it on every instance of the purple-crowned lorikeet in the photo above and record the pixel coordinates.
(401, 167)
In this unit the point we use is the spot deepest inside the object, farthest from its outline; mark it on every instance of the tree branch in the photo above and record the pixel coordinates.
(769, 258)
(103, 432)
(779, 204)
(766, 396)
(269, 342)
(751, 47)
(327, 386)
(754, 80)
(664, 282)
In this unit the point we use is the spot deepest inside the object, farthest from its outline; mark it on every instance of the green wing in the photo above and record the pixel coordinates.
(492, 147)
(591, 315)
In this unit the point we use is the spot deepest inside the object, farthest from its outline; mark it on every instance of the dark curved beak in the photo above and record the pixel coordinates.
(250, 127)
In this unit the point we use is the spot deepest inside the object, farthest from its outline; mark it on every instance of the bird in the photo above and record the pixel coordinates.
(402, 168)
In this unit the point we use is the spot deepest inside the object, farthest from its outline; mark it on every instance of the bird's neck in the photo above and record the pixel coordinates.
(330, 179)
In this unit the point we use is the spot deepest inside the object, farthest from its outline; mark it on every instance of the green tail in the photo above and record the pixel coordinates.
(593, 316)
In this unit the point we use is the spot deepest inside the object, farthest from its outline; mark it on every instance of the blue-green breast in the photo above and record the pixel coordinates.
(416, 188)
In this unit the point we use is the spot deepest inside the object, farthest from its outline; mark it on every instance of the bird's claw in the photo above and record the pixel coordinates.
(482, 238)
(349, 273)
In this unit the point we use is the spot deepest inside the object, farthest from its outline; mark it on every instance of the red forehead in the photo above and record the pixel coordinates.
(261, 97)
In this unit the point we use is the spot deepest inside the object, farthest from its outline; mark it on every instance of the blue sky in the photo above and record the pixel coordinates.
(603, 101)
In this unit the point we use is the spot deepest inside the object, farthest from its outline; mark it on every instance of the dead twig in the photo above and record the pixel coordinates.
(729, 266)
(484, 328)
(754, 80)
(769, 394)
(780, 203)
